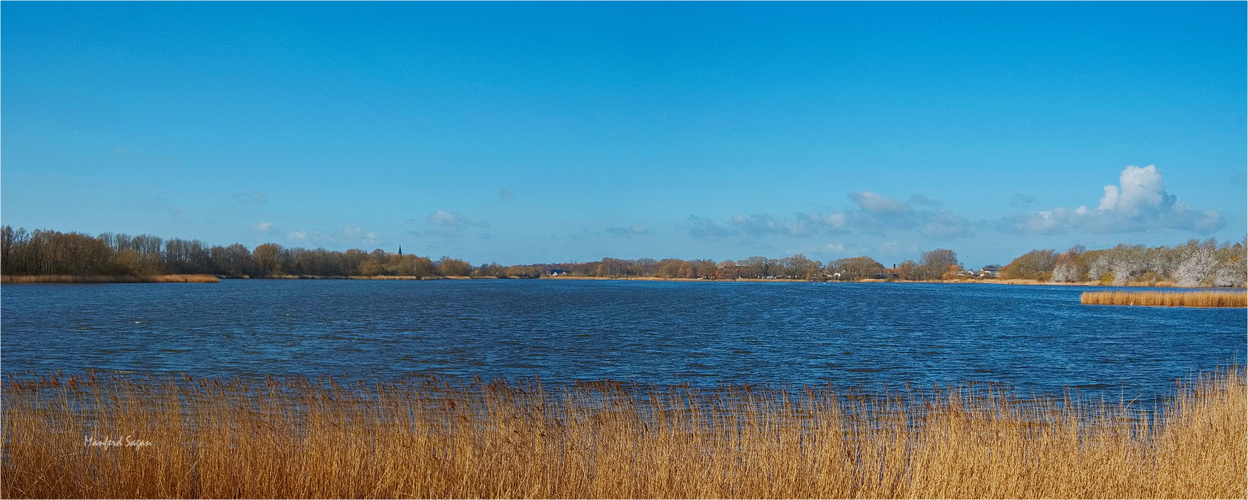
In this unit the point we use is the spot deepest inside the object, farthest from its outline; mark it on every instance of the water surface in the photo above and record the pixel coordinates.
(1038, 339)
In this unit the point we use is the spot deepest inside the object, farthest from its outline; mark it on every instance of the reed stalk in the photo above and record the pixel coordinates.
(299, 438)
(1236, 298)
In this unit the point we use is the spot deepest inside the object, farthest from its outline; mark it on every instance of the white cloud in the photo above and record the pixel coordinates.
(1138, 203)
(350, 235)
(704, 228)
(878, 214)
(444, 218)
(1043, 222)
(1142, 189)
(262, 228)
(836, 220)
(875, 214)
(1022, 200)
(447, 224)
(944, 225)
(318, 238)
(877, 204)
(357, 234)
(756, 225)
(895, 248)
(628, 231)
(919, 199)
(352, 232)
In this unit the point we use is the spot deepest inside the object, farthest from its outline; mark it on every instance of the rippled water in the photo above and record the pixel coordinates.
(1038, 339)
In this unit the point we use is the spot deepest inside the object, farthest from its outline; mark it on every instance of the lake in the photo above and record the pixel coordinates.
(870, 336)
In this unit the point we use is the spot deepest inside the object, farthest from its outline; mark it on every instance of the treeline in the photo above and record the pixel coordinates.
(44, 252)
(1194, 263)
(934, 265)
(53, 252)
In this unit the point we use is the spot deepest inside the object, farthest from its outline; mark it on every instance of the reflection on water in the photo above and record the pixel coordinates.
(873, 335)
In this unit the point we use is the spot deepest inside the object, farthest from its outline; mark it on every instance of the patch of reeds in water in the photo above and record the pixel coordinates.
(80, 437)
(1236, 298)
(76, 278)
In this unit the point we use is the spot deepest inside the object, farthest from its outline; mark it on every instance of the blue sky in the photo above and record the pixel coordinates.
(552, 132)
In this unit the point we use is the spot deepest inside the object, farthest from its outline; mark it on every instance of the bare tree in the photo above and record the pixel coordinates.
(935, 264)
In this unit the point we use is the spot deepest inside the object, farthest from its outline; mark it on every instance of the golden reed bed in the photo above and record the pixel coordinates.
(298, 439)
(1236, 298)
(74, 278)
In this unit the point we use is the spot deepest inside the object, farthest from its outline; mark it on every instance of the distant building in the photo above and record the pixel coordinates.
(887, 274)
(557, 272)
(992, 271)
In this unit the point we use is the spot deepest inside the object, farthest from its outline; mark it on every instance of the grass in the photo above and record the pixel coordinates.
(299, 438)
(1167, 299)
(74, 278)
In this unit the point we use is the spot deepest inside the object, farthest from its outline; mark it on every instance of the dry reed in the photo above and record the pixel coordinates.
(299, 439)
(1167, 299)
(75, 278)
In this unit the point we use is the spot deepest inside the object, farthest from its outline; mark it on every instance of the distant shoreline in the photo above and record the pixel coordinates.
(90, 279)
(207, 278)
(1159, 284)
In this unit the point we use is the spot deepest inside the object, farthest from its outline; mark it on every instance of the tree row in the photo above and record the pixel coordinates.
(1194, 263)
(51, 252)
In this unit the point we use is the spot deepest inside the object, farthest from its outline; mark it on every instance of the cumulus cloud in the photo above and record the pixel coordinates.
(628, 231)
(1139, 202)
(262, 228)
(447, 224)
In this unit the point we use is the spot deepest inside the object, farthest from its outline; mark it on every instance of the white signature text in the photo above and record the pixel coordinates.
(106, 443)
